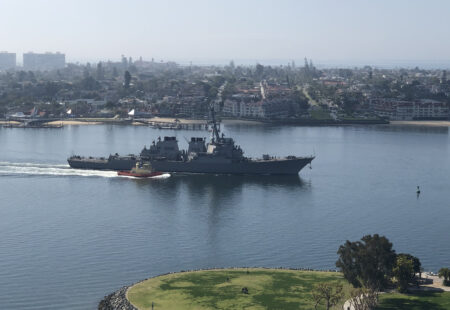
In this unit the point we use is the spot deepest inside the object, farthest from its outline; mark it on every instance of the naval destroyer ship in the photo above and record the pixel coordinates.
(220, 156)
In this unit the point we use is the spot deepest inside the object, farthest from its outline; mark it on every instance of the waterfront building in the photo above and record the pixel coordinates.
(252, 109)
(185, 109)
(395, 109)
(269, 108)
(7, 60)
(231, 108)
(427, 108)
(46, 61)
(243, 105)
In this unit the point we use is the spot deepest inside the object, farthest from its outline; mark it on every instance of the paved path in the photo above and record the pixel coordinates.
(432, 282)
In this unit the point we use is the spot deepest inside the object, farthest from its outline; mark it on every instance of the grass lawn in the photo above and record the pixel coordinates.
(221, 289)
(416, 301)
(320, 114)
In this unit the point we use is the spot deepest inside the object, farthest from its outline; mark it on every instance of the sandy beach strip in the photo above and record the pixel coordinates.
(423, 123)
(55, 123)
(9, 122)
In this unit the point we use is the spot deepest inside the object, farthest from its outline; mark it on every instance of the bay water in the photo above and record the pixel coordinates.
(68, 237)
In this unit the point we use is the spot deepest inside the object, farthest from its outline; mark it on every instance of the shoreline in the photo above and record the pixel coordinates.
(422, 123)
(117, 301)
(237, 121)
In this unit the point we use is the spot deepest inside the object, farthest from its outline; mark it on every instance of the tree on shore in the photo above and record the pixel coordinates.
(348, 263)
(367, 263)
(417, 265)
(328, 293)
(403, 272)
(445, 273)
(348, 101)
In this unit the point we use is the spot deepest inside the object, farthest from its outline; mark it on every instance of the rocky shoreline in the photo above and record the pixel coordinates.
(116, 301)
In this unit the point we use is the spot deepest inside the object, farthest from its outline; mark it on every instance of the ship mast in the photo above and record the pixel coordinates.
(214, 123)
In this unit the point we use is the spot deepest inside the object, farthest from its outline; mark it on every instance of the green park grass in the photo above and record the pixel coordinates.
(416, 301)
(221, 289)
(320, 114)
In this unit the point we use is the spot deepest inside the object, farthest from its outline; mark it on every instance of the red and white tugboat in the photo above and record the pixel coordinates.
(142, 170)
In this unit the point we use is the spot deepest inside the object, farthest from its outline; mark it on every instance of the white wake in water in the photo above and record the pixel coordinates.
(7, 163)
(8, 168)
(162, 176)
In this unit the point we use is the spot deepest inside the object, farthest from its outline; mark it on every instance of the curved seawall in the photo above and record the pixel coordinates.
(116, 301)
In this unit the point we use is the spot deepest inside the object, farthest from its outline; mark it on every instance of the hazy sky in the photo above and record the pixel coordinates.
(208, 31)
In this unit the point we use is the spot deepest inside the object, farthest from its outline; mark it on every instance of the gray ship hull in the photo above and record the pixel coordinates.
(98, 164)
(220, 156)
(249, 167)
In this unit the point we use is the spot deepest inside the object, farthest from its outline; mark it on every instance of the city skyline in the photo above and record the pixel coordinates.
(346, 33)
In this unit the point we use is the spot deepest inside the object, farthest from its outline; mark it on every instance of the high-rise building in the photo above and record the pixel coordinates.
(7, 60)
(47, 61)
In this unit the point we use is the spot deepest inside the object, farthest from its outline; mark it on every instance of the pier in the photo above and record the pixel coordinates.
(174, 124)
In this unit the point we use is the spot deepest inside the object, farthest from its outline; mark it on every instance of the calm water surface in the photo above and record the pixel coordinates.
(69, 237)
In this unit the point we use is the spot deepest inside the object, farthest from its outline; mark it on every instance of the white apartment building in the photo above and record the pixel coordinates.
(46, 61)
(7, 60)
